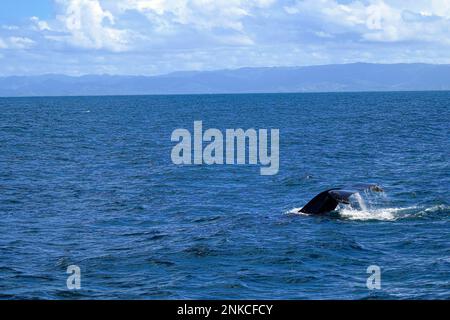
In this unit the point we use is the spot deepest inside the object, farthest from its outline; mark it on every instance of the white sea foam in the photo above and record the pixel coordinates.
(382, 214)
(437, 208)
(294, 211)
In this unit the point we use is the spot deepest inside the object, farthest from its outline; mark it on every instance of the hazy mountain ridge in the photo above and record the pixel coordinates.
(340, 78)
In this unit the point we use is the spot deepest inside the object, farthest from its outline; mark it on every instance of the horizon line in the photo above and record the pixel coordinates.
(226, 93)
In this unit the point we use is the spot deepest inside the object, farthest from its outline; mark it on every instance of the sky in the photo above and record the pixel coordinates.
(149, 37)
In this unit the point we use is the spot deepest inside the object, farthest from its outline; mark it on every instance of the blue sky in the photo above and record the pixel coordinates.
(18, 11)
(159, 36)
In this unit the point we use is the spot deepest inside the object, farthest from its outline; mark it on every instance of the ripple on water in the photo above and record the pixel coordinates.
(99, 190)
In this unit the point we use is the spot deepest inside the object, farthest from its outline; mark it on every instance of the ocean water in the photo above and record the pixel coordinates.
(89, 181)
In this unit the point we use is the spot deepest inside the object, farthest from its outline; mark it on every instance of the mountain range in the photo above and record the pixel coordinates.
(324, 78)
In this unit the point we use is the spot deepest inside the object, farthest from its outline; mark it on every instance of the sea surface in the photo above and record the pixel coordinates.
(89, 181)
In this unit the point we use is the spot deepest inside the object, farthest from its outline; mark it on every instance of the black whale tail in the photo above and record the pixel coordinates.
(328, 200)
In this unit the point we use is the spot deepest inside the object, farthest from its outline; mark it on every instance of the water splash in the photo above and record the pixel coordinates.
(368, 206)
(376, 206)
(386, 214)
(440, 207)
(294, 211)
(380, 214)
(361, 202)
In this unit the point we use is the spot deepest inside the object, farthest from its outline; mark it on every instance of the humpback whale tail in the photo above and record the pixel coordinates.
(328, 200)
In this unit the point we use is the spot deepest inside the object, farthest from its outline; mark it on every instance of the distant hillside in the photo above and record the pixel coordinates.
(344, 77)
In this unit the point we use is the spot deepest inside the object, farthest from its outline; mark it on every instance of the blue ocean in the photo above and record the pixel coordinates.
(89, 181)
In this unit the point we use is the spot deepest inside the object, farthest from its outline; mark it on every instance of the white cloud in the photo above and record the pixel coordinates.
(157, 36)
(39, 24)
(20, 42)
(201, 14)
(16, 43)
(89, 26)
(10, 27)
(378, 20)
(92, 24)
(238, 40)
(322, 34)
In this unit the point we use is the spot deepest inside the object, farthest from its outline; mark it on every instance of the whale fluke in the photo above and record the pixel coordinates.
(328, 200)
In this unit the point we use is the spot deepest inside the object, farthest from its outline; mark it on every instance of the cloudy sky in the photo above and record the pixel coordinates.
(159, 36)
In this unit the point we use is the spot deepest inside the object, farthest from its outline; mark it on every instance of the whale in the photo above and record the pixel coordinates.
(328, 200)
